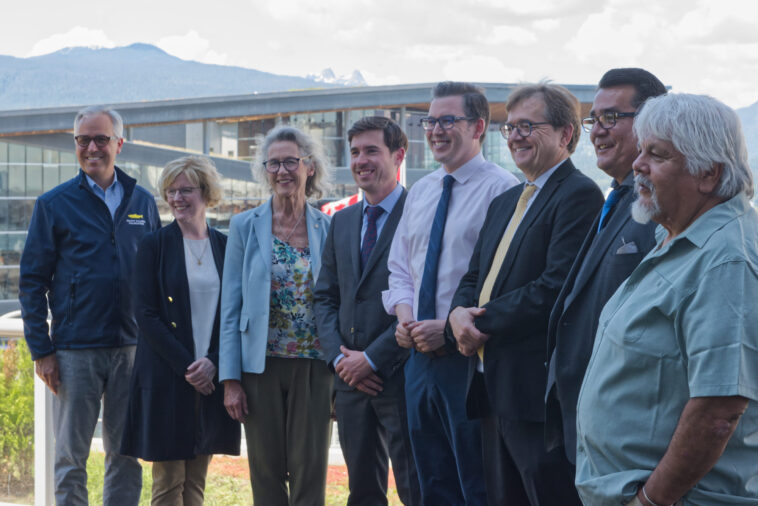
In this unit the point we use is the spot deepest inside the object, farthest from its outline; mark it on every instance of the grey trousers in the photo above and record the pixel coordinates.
(287, 430)
(87, 377)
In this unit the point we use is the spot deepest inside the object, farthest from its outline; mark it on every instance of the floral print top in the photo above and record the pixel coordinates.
(292, 322)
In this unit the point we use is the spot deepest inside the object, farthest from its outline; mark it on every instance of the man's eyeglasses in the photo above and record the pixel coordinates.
(446, 122)
(185, 191)
(606, 120)
(290, 164)
(524, 128)
(100, 140)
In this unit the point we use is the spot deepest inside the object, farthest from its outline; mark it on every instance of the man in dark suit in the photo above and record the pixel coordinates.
(612, 249)
(357, 335)
(501, 308)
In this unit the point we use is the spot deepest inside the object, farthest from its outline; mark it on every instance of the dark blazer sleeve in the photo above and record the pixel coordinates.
(521, 310)
(148, 292)
(326, 301)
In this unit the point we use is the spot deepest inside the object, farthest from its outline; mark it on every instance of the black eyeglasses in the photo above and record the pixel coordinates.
(524, 128)
(185, 191)
(290, 164)
(100, 140)
(446, 122)
(606, 120)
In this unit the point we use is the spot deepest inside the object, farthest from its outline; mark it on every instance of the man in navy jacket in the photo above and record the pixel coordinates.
(78, 261)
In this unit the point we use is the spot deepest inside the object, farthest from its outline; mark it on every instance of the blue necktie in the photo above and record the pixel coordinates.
(369, 238)
(427, 296)
(610, 202)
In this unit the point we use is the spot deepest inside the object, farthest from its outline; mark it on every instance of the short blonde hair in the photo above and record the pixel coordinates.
(200, 171)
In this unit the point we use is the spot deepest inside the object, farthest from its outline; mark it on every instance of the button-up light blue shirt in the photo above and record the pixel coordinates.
(388, 204)
(683, 325)
(111, 196)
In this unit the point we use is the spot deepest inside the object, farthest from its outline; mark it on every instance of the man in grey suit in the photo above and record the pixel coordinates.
(612, 249)
(357, 335)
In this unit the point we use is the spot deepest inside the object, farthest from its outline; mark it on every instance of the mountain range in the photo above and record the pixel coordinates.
(82, 75)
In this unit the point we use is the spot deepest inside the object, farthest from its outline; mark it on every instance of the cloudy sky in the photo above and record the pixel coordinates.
(699, 46)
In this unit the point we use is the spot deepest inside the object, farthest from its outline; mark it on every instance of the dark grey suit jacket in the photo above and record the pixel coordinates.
(604, 261)
(348, 302)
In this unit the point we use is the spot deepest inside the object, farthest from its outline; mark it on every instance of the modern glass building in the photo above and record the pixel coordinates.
(37, 149)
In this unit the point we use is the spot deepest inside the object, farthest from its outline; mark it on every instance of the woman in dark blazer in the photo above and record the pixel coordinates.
(176, 416)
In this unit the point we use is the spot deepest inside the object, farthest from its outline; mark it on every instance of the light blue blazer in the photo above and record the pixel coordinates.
(246, 287)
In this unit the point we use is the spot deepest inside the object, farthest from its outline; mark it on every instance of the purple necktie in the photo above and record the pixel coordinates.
(369, 238)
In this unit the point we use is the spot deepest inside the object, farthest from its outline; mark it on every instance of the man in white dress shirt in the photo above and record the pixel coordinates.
(430, 252)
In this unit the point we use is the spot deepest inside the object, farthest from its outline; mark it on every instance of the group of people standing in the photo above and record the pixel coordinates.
(451, 327)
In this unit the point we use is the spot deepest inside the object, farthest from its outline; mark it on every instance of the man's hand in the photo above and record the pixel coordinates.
(428, 335)
(403, 334)
(200, 375)
(353, 367)
(235, 400)
(370, 385)
(47, 369)
(469, 338)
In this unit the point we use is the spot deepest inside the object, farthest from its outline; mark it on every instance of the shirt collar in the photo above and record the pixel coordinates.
(465, 171)
(542, 179)
(95, 187)
(388, 203)
(712, 220)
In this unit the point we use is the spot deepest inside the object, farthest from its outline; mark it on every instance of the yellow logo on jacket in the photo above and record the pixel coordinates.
(135, 219)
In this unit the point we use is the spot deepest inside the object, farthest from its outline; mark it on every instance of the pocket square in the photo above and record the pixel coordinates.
(627, 248)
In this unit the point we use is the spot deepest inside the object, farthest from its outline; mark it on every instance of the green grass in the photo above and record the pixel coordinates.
(227, 483)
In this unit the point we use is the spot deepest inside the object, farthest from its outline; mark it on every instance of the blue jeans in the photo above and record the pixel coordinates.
(87, 377)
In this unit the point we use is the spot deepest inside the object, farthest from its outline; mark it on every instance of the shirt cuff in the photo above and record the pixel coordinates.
(370, 362)
(391, 298)
(337, 359)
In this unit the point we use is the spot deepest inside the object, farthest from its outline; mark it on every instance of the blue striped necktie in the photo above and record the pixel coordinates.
(427, 296)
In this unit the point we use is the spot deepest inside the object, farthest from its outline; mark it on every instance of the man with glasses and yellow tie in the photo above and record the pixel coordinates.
(78, 261)
(612, 249)
(429, 254)
(501, 308)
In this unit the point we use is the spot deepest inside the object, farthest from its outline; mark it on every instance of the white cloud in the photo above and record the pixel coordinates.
(481, 68)
(505, 34)
(192, 46)
(77, 36)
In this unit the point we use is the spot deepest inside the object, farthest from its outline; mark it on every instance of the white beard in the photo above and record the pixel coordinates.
(643, 213)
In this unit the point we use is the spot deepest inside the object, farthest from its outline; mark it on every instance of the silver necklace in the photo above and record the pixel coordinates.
(202, 253)
(287, 239)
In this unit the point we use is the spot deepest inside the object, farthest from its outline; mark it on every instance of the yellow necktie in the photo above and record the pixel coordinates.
(502, 249)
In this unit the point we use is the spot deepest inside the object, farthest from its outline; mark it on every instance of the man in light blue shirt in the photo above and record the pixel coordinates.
(665, 413)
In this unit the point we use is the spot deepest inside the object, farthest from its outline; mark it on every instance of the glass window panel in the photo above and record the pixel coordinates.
(33, 180)
(3, 180)
(51, 156)
(3, 152)
(50, 177)
(16, 181)
(4, 216)
(8, 284)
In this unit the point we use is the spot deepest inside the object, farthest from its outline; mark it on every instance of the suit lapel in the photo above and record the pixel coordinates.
(385, 238)
(261, 228)
(602, 243)
(354, 224)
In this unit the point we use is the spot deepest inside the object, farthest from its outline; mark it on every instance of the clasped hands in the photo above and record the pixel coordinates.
(468, 337)
(424, 336)
(200, 374)
(355, 370)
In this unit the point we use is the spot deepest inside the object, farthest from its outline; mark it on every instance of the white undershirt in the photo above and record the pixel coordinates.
(204, 289)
